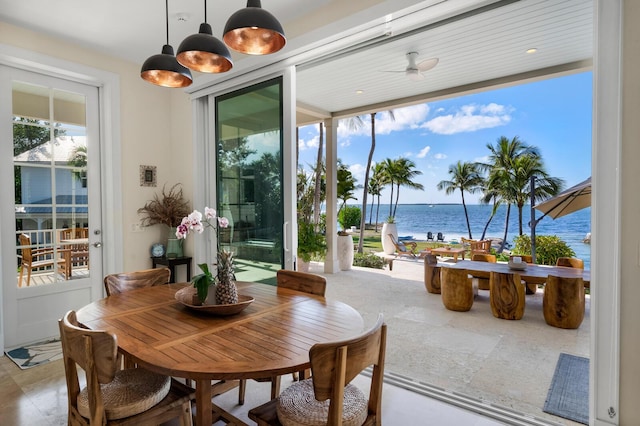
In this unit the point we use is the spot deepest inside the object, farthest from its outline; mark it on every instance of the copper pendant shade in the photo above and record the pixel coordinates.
(163, 69)
(203, 52)
(254, 31)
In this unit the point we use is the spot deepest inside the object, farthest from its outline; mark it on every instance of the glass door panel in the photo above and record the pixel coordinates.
(50, 175)
(249, 178)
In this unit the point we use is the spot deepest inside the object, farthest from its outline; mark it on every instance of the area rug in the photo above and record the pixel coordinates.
(36, 354)
(568, 395)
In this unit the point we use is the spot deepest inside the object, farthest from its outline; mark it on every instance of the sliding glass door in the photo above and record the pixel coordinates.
(250, 179)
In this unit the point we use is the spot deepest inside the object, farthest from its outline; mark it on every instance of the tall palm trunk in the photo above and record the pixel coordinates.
(391, 200)
(486, 226)
(373, 200)
(466, 214)
(318, 181)
(520, 219)
(506, 229)
(395, 206)
(365, 191)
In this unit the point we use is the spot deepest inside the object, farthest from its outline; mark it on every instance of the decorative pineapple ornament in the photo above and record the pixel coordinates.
(226, 291)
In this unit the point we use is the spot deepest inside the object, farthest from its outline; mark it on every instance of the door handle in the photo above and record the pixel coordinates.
(97, 245)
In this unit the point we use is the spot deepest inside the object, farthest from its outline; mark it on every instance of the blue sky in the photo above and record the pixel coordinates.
(553, 115)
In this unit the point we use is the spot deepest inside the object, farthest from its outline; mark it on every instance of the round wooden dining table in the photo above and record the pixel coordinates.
(271, 337)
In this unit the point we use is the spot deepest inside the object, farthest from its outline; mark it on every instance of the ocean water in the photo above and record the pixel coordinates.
(418, 219)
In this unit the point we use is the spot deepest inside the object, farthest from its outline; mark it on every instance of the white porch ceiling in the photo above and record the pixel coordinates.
(479, 43)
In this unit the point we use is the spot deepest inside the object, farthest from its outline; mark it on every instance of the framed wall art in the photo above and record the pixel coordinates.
(148, 176)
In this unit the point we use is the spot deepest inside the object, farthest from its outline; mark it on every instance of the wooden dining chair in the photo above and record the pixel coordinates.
(456, 288)
(125, 281)
(334, 365)
(79, 255)
(40, 258)
(563, 302)
(294, 280)
(570, 262)
(114, 396)
(480, 247)
(481, 281)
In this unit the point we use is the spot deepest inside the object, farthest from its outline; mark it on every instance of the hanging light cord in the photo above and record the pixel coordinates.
(166, 10)
(205, 11)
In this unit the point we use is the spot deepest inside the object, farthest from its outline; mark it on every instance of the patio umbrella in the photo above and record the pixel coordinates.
(573, 199)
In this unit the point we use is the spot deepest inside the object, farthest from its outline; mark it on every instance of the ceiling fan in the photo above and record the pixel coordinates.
(414, 70)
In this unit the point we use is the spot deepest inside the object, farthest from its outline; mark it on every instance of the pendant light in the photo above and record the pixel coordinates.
(203, 52)
(254, 31)
(163, 69)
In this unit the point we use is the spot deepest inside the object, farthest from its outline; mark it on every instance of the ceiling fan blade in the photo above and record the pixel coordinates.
(427, 64)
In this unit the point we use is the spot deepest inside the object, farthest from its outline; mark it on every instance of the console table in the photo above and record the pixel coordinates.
(171, 263)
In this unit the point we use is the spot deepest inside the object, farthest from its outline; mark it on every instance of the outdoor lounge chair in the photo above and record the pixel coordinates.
(402, 248)
(440, 237)
(429, 236)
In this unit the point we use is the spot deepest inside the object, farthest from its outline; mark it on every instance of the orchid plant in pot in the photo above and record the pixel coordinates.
(224, 281)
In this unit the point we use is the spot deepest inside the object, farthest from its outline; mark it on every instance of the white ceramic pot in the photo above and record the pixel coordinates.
(302, 266)
(387, 244)
(345, 252)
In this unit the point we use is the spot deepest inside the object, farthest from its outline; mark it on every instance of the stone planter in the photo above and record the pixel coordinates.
(387, 244)
(345, 252)
(302, 266)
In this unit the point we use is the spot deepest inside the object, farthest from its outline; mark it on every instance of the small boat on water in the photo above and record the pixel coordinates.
(405, 238)
(587, 238)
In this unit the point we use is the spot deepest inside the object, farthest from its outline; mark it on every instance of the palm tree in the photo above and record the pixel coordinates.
(524, 168)
(511, 165)
(465, 177)
(388, 175)
(346, 185)
(405, 172)
(375, 189)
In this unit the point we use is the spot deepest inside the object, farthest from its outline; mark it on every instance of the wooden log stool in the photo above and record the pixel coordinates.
(457, 289)
(431, 274)
(482, 280)
(563, 302)
(506, 296)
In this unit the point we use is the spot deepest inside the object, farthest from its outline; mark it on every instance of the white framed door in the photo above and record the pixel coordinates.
(51, 226)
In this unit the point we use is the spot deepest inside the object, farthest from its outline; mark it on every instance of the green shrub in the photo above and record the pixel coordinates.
(310, 243)
(368, 260)
(548, 248)
(349, 216)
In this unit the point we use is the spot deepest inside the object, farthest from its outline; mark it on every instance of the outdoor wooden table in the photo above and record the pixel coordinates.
(531, 272)
(271, 337)
(449, 251)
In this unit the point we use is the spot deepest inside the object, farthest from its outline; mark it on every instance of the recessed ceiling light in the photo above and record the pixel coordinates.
(359, 92)
(532, 50)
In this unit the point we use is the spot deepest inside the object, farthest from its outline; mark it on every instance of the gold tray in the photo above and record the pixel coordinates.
(185, 296)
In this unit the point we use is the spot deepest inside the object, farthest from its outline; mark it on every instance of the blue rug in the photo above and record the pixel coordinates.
(568, 395)
(36, 354)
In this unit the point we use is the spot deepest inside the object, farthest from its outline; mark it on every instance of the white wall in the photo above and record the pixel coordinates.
(155, 130)
(630, 241)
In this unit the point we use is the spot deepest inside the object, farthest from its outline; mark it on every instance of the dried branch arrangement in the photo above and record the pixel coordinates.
(167, 208)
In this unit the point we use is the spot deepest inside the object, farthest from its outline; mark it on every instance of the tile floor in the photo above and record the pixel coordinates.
(435, 359)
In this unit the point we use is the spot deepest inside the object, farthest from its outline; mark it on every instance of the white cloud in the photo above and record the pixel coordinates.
(484, 160)
(308, 144)
(439, 156)
(357, 170)
(470, 118)
(404, 118)
(423, 152)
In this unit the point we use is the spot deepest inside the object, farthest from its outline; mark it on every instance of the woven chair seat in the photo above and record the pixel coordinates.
(131, 392)
(297, 405)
